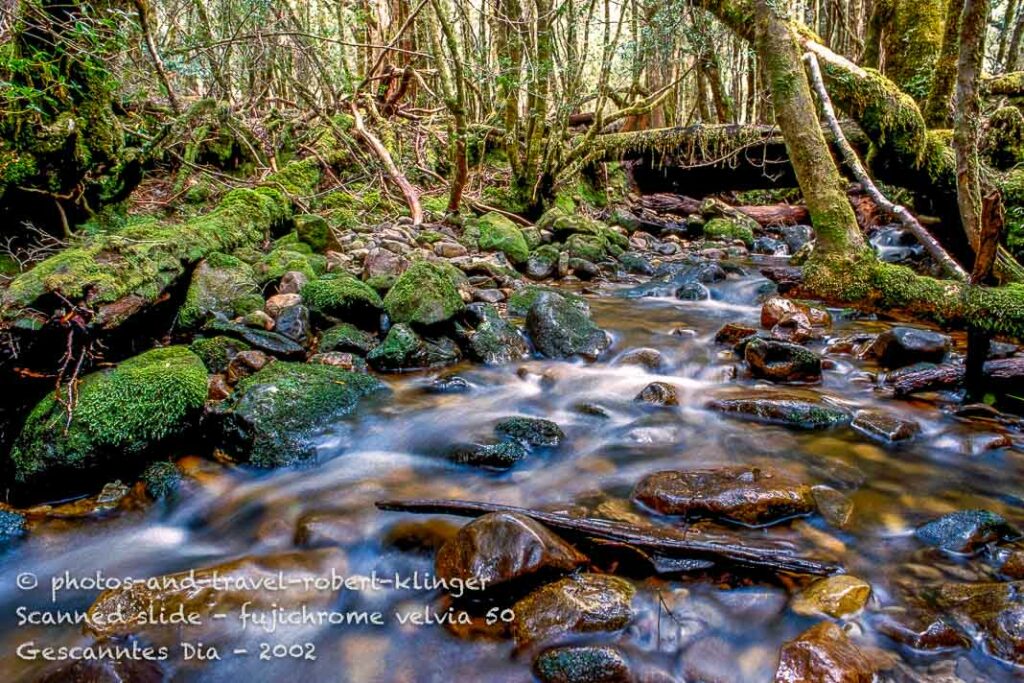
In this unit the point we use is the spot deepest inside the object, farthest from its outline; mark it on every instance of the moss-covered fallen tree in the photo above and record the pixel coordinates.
(110, 277)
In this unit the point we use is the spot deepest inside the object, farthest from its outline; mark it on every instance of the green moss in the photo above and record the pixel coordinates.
(281, 260)
(494, 232)
(728, 230)
(424, 294)
(162, 480)
(1012, 188)
(1003, 146)
(346, 337)
(342, 296)
(221, 285)
(120, 415)
(313, 231)
(523, 298)
(358, 206)
(217, 352)
(592, 248)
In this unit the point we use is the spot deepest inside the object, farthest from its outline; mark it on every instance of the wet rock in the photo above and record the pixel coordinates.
(448, 249)
(902, 346)
(776, 308)
(246, 363)
(993, 612)
(425, 294)
(449, 384)
(769, 246)
(339, 295)
(965, 531)
(837, 596)
(635, 264)
(273, 417)
(498, 456)
(488, 296)
(582, 664)
(199, 592)
(585, 603)
(794, 327)
(532, 431)
(884, 426)
(327, 528)
(919, 630)
(12, 524)
(222, 286)
(279, 302)
(270, 342)
(524, 298)
(746, 495)
(342, 360)
(789, 412)
(733, 333)
(381, 265)
(650, 359)
(292, 282)
(780, 361)
(293, 322)
(161, 480)
(217, 388)
(503, 548)
(403, 349)
(489, 338)
(693, 291)
(420, 535)
(835, 507)
(121, 416)
(658, 394)
(542, 263)
(796, 236)
(584, 269)
(346, 337)
(825, 654)
(559, 329)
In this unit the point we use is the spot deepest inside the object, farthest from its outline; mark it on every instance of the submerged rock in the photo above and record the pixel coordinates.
(121, 415)
(582, 664)
(490, 338)
(965, 531)
(585, 603)
(499, 456)
(162, 480)
(658, 394)
(745, 495)
(404, 349)
(501, 548)
(825, 654)
(273, 416)
(991, 612)
(789, 412)
(532, 431)
(559, 329)
(425, 294)
(884, 426)
(837, 596)
(733, 333)
(781, 361)
(647, 358)
(902, 346)
(920, 630)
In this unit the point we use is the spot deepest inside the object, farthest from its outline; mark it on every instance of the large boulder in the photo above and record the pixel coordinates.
(404, 349)
(425, 294)
(489, 338)
(560, 329)
(221, 285)
(346, 337)
(342, 296)
(119, 418)
(501, 548)
(494, 232)
(747, 495)
(780, 361)
(273, 417)
(902, 346)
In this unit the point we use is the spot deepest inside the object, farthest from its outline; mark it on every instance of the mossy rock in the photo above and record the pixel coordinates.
(274, 416)
(542, 262)
(425, 294)
(314, 231)
(217, 352)
(342, 296)
(494, 232)
(281, 260)
(120, 416)
(221, 285)
(161, 480)
(591, 248)
(404, 349)
(346, 337)
(564, 225)
(520, 302)
(727, 230)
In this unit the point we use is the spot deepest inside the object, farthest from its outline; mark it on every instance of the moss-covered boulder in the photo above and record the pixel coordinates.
(542, 262)
(120, 416)
(728, 230)
(216, 352)
(404, 349)
(494, 232)
(425, 294)
(347, 338)
(314, 231)
(489, 338)
(274, 416)
(521, 301)
(339, 295)
(564, 225)
(591, 248)
(221, 285)
(288, 258)
(559, 329)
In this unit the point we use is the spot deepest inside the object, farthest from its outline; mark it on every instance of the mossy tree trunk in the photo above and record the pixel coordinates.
(937, 112)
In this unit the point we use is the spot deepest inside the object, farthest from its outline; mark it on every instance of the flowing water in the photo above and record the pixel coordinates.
(721, 628)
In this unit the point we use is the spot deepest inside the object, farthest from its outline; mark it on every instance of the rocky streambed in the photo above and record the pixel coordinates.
(660, 386)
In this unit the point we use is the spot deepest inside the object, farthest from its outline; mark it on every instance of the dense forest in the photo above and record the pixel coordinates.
(706, 313)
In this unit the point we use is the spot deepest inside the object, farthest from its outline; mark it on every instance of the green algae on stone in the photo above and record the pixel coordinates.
(728, 230)
(494, 232)
(284, 259)
(404, 349)
(347, 337)
(425, 294)
(161, 479)
(217, 352)
(274, 416)
(520, 302)
(314, 231)
(342, 296)
(120, 415)
(221, 285)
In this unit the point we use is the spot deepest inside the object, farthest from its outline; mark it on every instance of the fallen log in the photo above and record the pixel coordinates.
(1000, 373)
(765, 215)
(661, 541)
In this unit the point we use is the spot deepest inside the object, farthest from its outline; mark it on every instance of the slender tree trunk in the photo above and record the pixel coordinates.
(937, 106)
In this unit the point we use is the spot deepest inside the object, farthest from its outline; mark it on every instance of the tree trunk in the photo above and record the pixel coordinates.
(937, 106)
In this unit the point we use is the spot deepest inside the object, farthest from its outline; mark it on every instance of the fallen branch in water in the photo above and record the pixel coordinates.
(998, 373)
(663, 541)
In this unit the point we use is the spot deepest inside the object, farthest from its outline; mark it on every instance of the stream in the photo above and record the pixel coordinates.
(719, 627)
